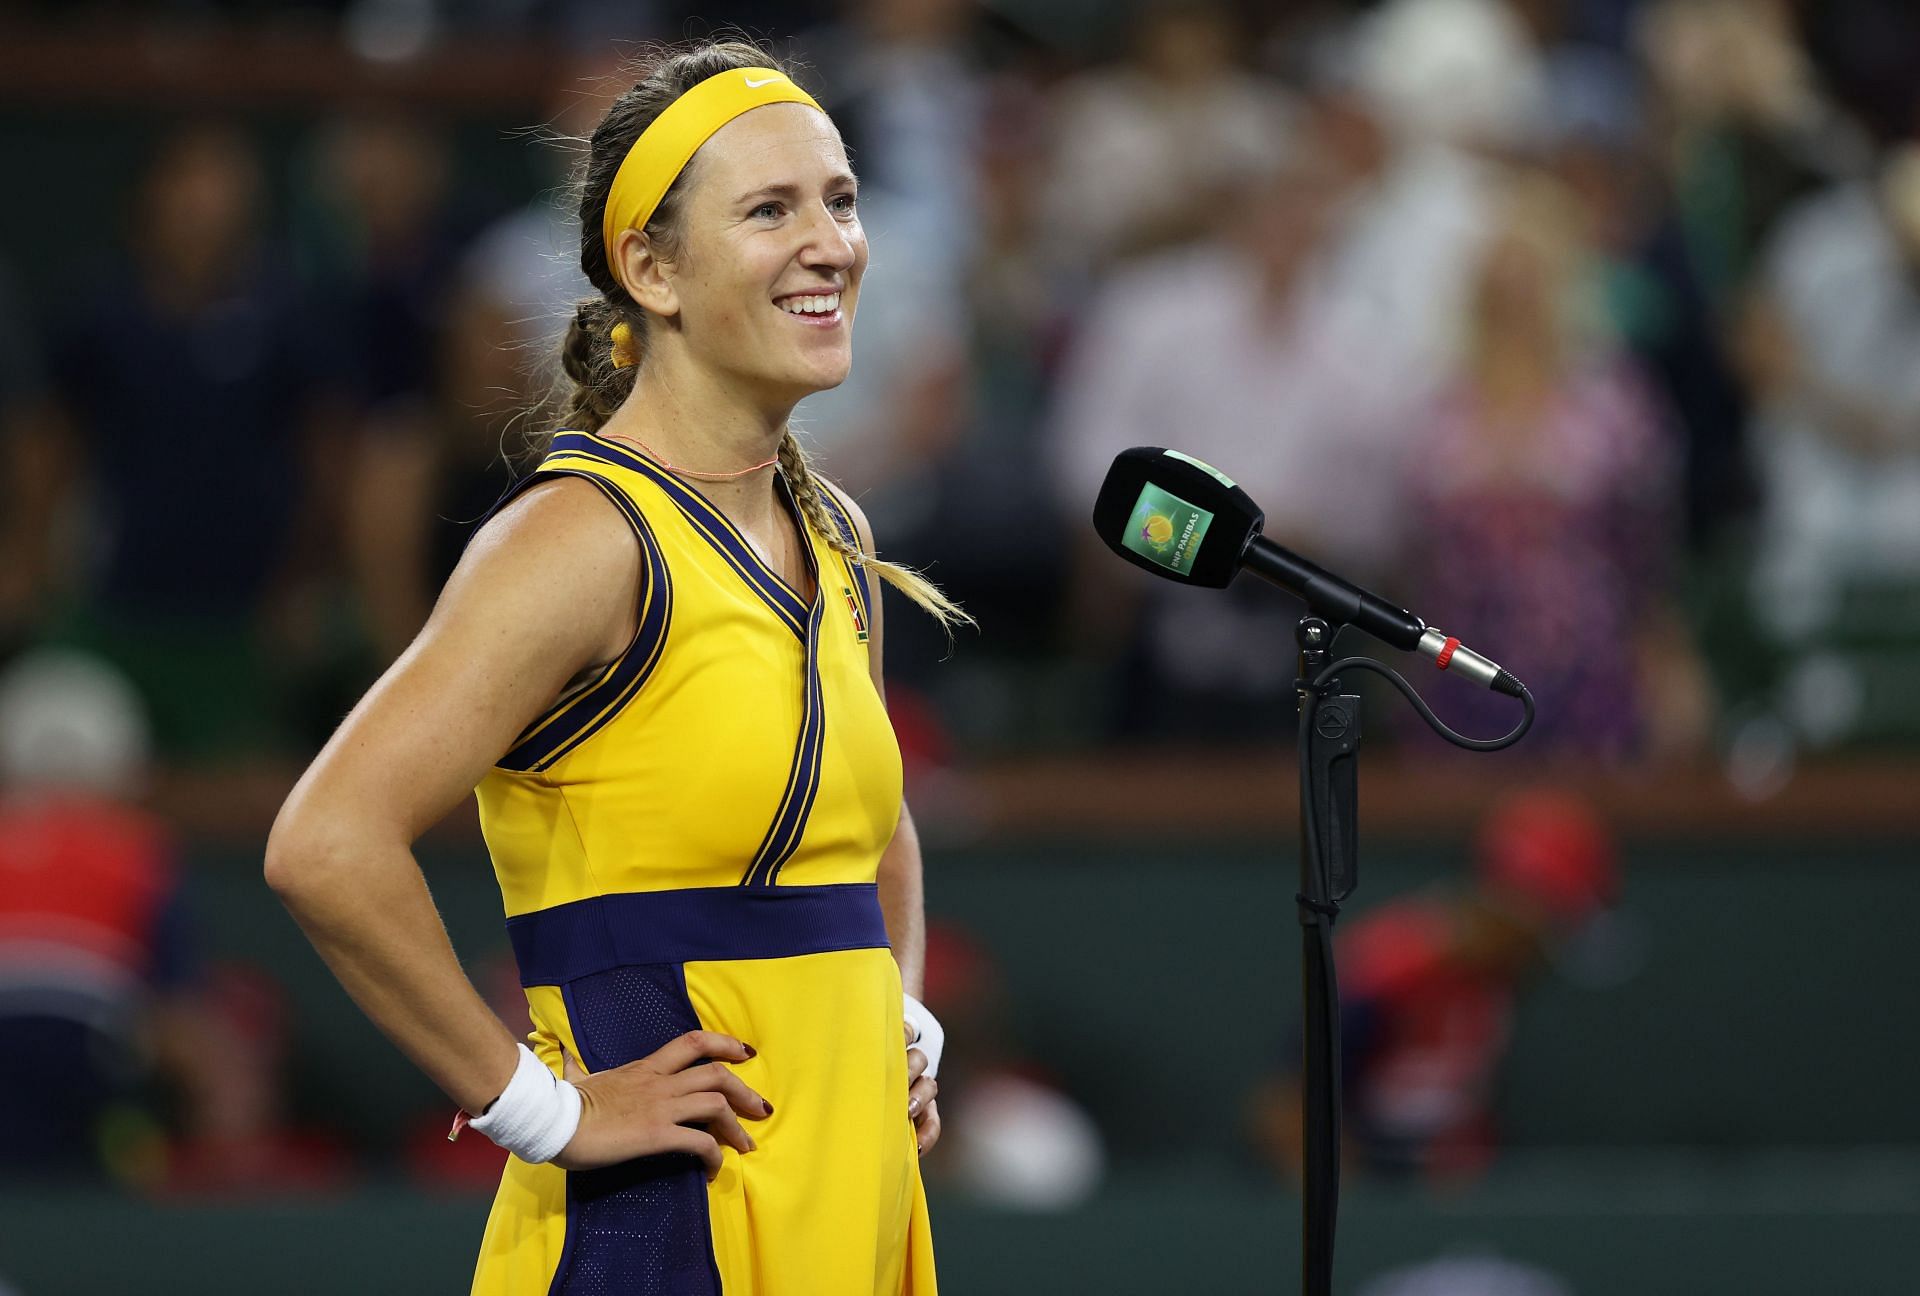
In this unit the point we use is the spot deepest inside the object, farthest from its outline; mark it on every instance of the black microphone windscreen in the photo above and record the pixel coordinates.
(1175, 516)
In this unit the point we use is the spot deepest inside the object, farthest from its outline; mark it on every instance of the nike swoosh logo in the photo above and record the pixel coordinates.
(755, 85)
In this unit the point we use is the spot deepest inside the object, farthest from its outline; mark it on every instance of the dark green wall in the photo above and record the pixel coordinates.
(1157, 980)
(1705, 1230)
(1736, 1117)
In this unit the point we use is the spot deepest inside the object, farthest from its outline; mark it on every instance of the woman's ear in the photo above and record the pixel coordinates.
(647, 278)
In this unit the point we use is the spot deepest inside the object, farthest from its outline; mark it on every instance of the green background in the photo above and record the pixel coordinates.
(1728, 1109)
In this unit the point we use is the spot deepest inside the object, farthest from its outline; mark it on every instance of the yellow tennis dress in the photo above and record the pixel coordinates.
(691, 841)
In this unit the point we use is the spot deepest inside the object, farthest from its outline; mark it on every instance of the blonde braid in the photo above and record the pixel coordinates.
(808, 493)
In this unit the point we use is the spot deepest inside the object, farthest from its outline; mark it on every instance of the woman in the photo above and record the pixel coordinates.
(670, 699)
(1548, 462)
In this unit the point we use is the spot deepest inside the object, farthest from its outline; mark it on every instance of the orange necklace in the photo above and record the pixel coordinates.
(688, 472)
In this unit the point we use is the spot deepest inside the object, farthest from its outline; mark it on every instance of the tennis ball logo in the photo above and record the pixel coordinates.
(1158, 530)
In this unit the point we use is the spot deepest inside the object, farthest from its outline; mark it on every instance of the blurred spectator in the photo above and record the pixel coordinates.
(983, 513)
(469, 329)
(1746, 131)
(97, 971)
(386, 240)
(518, 280)
(1145, 150)
(1655, 296)
(1464, 72)
(1427, 990)
(1295, 353)
(192, 377)
(1836, 360)
(1543, 506)
(1014, 1139)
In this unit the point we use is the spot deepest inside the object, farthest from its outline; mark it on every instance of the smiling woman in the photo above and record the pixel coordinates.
(660, 664)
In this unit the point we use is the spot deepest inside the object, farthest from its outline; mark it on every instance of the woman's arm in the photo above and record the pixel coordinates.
(902, 893)
(900, 886)
(543, 593)
(902, 900)
(547, 591)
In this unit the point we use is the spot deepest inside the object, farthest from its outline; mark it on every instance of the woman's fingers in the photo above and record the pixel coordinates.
(916, 1063)
(716, 1114)
(653, 1105)
(697, 1046)
(699, 1143)
(716, 1076)
(927, 1127)
(920, 1094)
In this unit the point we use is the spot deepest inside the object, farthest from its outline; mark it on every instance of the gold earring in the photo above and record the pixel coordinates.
(622, 336)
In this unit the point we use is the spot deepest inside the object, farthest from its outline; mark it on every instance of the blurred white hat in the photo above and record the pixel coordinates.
(1461, 71)
(68, 720)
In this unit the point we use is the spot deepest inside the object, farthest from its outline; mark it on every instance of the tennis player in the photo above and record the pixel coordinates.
(660, 663)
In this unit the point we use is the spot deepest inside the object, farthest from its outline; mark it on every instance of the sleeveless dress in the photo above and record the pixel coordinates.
(688, 841)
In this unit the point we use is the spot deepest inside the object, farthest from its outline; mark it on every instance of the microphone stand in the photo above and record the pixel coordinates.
(1329, 742)
(1329, 739)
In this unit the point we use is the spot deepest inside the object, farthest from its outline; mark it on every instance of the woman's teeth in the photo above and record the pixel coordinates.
(811, 305)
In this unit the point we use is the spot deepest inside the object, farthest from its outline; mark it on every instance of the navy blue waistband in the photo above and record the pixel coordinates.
(555, 946)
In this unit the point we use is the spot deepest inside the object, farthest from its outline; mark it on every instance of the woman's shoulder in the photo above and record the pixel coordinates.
(557, 559)
(565, 522)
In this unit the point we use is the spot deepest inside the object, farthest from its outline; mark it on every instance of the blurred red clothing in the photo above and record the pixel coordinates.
(1422, 1036)
(89, 932)
(87, 889)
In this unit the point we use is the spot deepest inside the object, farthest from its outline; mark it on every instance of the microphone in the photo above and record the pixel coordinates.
(1187, 521)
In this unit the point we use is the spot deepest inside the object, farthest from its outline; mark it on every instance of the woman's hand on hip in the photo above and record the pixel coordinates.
(682, 1098)
(921, 1089)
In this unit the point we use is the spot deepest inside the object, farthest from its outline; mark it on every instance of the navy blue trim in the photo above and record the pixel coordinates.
(857, 570)
(589, 1057)
(582, 937)
(561, 944)
(560, 1271)
(803, 773)
(576, 718)
(706, 519)
(641, 1227)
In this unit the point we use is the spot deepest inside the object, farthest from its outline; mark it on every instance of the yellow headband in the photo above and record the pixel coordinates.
(663, 149)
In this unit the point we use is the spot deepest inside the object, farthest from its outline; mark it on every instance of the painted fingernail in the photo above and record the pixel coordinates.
(751, 1050)
(769, 1106)
(913, 1107)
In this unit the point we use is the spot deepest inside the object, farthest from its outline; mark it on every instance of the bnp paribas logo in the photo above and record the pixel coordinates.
(1166, 529)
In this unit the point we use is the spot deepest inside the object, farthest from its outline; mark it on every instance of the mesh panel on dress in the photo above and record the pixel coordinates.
(639, 1228)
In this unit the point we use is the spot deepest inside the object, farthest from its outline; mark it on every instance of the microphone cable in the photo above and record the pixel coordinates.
(1314, 689)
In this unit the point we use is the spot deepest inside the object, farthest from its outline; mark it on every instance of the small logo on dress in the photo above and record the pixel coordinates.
(859, 617)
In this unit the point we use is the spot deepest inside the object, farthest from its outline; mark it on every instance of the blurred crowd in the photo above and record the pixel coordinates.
(1590, 329)
(1586, 327)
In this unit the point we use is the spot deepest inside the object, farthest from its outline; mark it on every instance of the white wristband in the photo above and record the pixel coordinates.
(537, 1114)
(928, 1037)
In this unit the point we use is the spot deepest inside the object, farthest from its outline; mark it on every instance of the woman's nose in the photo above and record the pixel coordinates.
(831, 242)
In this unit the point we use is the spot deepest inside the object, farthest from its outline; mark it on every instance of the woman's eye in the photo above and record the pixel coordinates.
(843, 204)
(766, 209)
